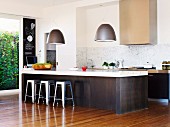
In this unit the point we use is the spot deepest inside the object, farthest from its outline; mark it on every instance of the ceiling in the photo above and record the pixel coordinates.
(47, 3)
(42, 3)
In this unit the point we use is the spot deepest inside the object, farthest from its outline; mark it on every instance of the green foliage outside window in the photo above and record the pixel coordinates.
(9, 50)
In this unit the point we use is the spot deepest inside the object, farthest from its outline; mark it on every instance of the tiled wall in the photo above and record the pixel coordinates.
(134, 55)
(51, 55)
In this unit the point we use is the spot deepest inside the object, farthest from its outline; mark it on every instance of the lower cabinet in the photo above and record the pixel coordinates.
(158, 85)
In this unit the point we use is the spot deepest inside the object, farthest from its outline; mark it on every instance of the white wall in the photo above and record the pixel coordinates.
(89, 18)
(101, 15)
(61, 17)
(163, 21)
(136, 55)
(64, 17)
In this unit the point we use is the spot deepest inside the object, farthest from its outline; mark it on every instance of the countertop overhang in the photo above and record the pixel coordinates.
(88, 72)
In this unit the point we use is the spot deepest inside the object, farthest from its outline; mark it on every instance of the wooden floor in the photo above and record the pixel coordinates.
(15, 113)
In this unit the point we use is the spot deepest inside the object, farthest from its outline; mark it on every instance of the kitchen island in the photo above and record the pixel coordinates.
(119, 91)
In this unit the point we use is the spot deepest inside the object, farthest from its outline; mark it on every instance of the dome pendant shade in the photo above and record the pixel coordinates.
(56, 37)
(105, 33)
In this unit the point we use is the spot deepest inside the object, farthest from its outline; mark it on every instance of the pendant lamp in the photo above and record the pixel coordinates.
(105, 33)
(55, 37)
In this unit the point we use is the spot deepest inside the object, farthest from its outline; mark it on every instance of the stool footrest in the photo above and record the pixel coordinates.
(28, 95)
(41, 97)
(68, 98)
(58, 99)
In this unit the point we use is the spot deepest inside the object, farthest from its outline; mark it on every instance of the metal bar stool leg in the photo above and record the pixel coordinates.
(63, 85)
(55, 96)
(32, 83)
(71, 91)
(47, 91)
(33, 91)
(39, 94)
(72, 94)
(63, 93)
(26, 91)
(47, 84)
(35, 88)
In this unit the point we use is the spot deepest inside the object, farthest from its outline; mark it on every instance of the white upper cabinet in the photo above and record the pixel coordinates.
(138, 22)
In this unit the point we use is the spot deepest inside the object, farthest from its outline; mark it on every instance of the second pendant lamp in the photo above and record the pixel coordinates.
(105, 33)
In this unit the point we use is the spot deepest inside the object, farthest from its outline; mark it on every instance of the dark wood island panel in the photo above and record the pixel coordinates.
(119, 94)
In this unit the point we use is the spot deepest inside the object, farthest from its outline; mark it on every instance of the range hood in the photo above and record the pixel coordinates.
(138, 22)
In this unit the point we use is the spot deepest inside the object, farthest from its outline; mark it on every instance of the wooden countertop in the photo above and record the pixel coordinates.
(159, 71)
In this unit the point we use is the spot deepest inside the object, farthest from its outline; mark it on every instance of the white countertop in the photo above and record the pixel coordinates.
(88, 72)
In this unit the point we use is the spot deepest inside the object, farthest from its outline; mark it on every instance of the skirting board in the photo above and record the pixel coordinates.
(158, 100)
(9, 92)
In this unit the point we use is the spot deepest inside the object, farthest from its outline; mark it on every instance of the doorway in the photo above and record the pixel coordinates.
(9, 53)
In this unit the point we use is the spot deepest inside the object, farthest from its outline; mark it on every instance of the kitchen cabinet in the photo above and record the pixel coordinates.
(138, 22)
(158, 85)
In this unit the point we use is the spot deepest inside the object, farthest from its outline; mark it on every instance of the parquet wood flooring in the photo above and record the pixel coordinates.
(15, 113)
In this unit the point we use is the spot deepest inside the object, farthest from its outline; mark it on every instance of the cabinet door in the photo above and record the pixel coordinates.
(158, 86)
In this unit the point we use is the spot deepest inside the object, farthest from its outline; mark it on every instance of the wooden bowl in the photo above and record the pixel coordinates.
(42, 66)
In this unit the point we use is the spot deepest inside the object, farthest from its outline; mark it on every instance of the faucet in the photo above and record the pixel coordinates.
(90, 63)
(119, 63)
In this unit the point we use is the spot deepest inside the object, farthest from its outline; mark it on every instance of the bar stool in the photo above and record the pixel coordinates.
(47, 84)
(63, 85)
(33, 84)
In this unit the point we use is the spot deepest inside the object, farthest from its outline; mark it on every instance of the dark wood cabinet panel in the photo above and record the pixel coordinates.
(158, 86)
(131, 93)
(103, 92)
(120, 94)
(82, 91)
